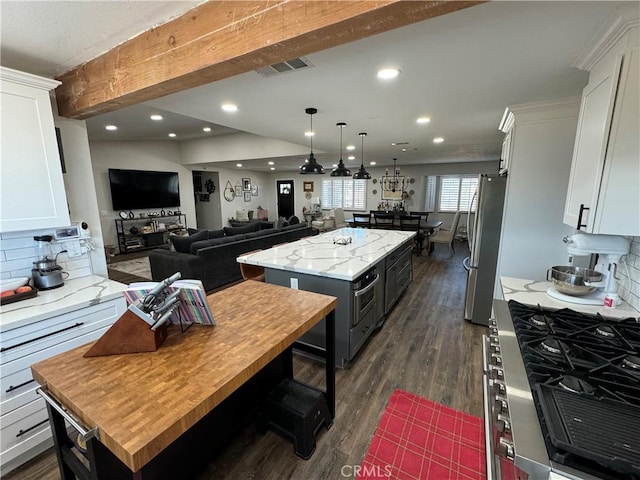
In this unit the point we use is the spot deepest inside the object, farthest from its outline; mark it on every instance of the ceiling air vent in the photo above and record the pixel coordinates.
(284, 67)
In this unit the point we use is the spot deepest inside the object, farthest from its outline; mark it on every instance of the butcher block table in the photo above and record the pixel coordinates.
(143, 414)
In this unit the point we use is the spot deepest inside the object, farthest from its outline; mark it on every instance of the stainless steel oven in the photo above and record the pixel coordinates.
(364, 294)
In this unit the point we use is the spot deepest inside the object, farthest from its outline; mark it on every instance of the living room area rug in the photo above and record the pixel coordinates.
(139, 267)
(420, 439)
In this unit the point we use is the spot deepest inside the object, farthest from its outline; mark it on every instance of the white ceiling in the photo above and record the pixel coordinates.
(461, 70)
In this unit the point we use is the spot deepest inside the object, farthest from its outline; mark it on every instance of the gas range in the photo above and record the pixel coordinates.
(564, 392)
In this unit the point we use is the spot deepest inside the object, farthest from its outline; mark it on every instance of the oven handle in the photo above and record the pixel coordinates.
(358, 293)
(488, 432)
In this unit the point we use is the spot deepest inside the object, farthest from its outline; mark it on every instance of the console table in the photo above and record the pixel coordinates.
(146, 415)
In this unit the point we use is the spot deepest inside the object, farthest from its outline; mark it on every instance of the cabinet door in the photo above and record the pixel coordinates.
(506, 153)
(590, 147)
(618, 211)
(31, 185)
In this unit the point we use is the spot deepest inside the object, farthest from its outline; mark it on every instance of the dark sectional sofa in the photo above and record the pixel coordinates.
(210, 255)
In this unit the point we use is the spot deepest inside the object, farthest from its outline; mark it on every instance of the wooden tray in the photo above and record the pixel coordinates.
(19, 296)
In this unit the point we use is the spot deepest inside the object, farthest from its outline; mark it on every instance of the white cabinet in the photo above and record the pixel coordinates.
(32, 194)
(24, 425)
(604, 192)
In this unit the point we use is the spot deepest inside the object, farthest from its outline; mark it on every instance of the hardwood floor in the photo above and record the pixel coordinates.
(424, 347)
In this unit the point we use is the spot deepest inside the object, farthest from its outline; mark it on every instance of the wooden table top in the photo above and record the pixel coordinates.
(142, 402)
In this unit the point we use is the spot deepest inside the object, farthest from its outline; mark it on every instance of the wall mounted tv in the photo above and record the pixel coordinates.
(143, 189)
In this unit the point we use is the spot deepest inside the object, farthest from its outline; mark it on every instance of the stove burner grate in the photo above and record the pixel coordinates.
(606, 331)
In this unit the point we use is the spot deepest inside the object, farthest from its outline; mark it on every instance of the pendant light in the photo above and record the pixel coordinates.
(310, 165)
(362, 174)
(341, 170)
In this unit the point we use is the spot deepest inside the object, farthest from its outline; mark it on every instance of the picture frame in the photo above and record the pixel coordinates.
(307, 186)
(238, 191)
(254, 190)
(246, 185)
(247, 196)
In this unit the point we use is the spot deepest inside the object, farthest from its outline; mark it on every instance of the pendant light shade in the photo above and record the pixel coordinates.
(341, 170)
(310, 165)
(362, 174)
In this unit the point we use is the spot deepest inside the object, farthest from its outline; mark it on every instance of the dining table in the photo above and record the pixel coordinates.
(427, 227)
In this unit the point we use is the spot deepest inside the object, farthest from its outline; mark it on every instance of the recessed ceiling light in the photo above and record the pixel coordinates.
(110, 127)
(404, 149)
(351, 157)
(335, 165)
(423, 120)
(372, 163)
(172, 135)
(438, 140)
(272, 168)
(229, 107)
(206, 129)
(238, 165)
(156, 117)
(351, 147)
(270, 163)
(309, 133)
(388, 73)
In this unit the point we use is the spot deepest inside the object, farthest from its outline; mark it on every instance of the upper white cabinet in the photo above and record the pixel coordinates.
(604, 189)
(32, 194)
(506, 126)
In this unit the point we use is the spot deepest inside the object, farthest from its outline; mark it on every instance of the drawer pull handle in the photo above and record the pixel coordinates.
(22, 432)
(12, 388)
(53, 403)
(4, 349)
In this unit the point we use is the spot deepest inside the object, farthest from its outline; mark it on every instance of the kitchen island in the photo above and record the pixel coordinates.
(367, 275)
(164, 414)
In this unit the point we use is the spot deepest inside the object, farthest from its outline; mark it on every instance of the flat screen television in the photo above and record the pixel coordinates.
(143, 189)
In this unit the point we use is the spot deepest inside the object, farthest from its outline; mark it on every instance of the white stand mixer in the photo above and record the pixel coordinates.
(609, 248)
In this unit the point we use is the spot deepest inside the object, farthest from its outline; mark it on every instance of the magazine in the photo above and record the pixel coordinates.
(193, 300)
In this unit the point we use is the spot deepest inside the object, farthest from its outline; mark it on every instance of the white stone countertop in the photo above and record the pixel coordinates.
(533, 292)
(318, 255)
(74, 294)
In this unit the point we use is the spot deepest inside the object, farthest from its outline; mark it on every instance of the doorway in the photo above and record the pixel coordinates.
(207, 199)
(285, 198)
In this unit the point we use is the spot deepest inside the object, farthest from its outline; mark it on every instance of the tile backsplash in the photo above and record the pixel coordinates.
(629, 281)
(18, 251)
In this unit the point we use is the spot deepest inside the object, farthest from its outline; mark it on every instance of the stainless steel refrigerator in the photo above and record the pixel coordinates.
(484, 239)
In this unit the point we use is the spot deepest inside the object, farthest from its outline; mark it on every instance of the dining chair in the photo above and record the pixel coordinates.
(252, 272)
(362, 220)
(423, 215)
(446, 235)
(412, 223)
(383, 220)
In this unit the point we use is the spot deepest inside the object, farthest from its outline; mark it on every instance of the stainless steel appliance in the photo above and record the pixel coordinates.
(46, 272)
(562, 394)
(484, 239)
(364, 295)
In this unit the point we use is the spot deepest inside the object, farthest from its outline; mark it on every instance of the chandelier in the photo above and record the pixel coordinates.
(395, 183)
(311, 165)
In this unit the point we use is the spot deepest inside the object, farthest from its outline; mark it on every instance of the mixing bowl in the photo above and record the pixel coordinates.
(576, 281)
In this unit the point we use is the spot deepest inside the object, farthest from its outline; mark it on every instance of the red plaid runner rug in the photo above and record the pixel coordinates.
(420, 439)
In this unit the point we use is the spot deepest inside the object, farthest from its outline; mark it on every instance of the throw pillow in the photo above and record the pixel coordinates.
(183, 244)
(216, 233)
(242, 215)
(293, 220)
(192, 231)
(281, 222)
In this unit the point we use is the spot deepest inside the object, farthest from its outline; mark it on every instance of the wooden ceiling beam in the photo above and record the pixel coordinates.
(220, 39)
